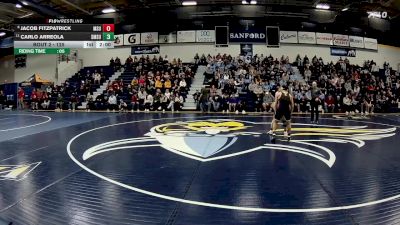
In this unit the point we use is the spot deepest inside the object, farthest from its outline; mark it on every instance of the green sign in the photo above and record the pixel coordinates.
(108, 36)
(18, 51)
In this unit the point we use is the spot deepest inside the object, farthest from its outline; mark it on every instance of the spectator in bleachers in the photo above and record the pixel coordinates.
(100, 102)
(330, 104)
(348, 104)
(178, 102)
(134, 103)
(367, 105)
(112, 102)
(148, 103)
(73, 102)
(34, 100)
(123, 107)
(112, 63)
(142, 96)
(267, 101)
(90, 102)
(45, 101)
(117, 64)
(96, 78)
(3, 100)
(60, 103)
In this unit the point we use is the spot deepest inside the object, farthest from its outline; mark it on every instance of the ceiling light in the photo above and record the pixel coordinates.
(345, 9)
(108, 10)
(253, 2)
(24, 3)
(322, 6)
(244, 2)
(2, 34)
(186, 3)
(18, 6)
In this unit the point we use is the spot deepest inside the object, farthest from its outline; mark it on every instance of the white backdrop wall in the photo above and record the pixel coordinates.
(94, 57)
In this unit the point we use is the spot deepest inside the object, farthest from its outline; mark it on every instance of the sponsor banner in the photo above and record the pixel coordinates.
(131, 39)
(186, 36)
(149, 38)
(306, 37)
(288, 36)
(167, 38)
(371, 43)
(356, 41)
(118, 40)
(341, 40)
(246, 50)
(248, 36)
(205, 36)
(347, 52)
(144, 50)
(324, 39)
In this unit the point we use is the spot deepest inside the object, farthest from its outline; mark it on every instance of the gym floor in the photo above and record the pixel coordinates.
(170, 169)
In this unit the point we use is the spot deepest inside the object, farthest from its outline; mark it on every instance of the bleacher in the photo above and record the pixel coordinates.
(75, 81)
(128, 75)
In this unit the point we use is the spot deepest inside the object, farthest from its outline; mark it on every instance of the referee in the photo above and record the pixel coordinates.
(315, 102)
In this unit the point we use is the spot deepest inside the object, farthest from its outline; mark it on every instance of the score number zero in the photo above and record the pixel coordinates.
(104, 28)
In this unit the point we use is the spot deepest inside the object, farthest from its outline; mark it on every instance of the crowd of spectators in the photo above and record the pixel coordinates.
(233, 84)
(157, 85)
(241, 83)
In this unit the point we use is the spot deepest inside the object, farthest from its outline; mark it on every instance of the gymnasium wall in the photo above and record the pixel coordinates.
(45, 65)
(93, 57)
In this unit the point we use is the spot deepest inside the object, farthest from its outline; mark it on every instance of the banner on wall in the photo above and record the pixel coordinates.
(347, 52)
(205, 36)
(167, 38)
(149, 38)
(288, 36)
(131, 39)
(341, 40)
(324, 39)
(306, 37)
(186, 36)
(148, 49)
(118, 40)
(371, 43)
(246, 50)
(356, 41)
(248, 36)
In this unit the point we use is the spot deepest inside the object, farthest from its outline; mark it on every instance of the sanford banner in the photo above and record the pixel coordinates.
(147, 49)
(348, 52)
(248, 36)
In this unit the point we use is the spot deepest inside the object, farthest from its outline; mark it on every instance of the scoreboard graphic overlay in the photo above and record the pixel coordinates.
(58, 36)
